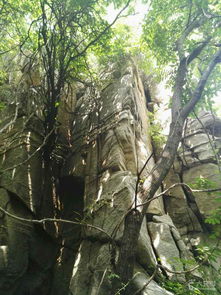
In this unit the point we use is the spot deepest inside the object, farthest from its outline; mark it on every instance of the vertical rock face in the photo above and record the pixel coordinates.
(111, 143)
(27, 251)
(112, 148)
(197, 165)
(103, 144)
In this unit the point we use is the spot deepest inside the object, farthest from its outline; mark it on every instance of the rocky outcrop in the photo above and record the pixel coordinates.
(103, 142)
(197, 165)
(28, 251)
(112, 147)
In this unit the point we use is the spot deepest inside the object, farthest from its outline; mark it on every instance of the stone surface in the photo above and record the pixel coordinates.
(28, 253)
(91, 265)
(203, 153)
(207, 121)
(19, 175)
(117, 145)
(198, 158)
(114, 196)
(110, 147)
(145, 254)
(166, 248)
(178, 207)
(210, 172)
(141, 281)
(202, 140)
(23, 248)
(195, 140)
(103, 142)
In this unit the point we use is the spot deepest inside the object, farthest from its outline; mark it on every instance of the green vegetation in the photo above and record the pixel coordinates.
(182, 289)
(202, 183)
(196, 24)
(62, 36)
(157, 137)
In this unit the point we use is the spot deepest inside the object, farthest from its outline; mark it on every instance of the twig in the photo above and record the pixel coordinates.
(44, 220)
(101, 33)
(31, 156)
(125, 285)
(102, 279)
(180, 184)
(148, 282)
(12, 121)
(182, 271)
(201, 84)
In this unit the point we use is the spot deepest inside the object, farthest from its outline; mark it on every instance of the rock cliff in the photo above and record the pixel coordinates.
(103, 143)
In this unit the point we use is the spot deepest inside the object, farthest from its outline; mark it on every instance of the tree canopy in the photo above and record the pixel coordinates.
(60, 34)
(191, 29)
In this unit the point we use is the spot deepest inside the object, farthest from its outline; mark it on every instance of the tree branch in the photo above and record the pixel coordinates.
(101, 33)
(196, 51)
(32, 155)
(201, 84)
(44, 220)
(211, 190)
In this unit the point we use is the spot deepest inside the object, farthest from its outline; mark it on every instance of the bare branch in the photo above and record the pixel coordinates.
(44, 220)
(190, 27)
(196, 51)
(32, 155)
(101, 33)
(201, 84)
(12, 121)
(211, 190)
(148, 282)
(183, 271)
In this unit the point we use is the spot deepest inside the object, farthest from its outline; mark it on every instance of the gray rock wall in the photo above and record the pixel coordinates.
(197, 165)
(103, 141)
(111, 142)
(28, 252)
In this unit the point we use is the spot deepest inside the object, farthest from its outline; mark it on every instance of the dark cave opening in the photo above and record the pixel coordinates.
(71, 198)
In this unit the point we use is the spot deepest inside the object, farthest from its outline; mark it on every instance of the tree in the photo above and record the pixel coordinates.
(183, 21)
(58, 34)
(52, 37)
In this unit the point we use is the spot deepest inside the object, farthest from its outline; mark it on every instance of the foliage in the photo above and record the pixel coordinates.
(203, 183)
(118, 46)
(215, 217)
(195, 24)
(156, 132)
(113, 276)
(54, 36)
(182, 289)
(205, 286)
